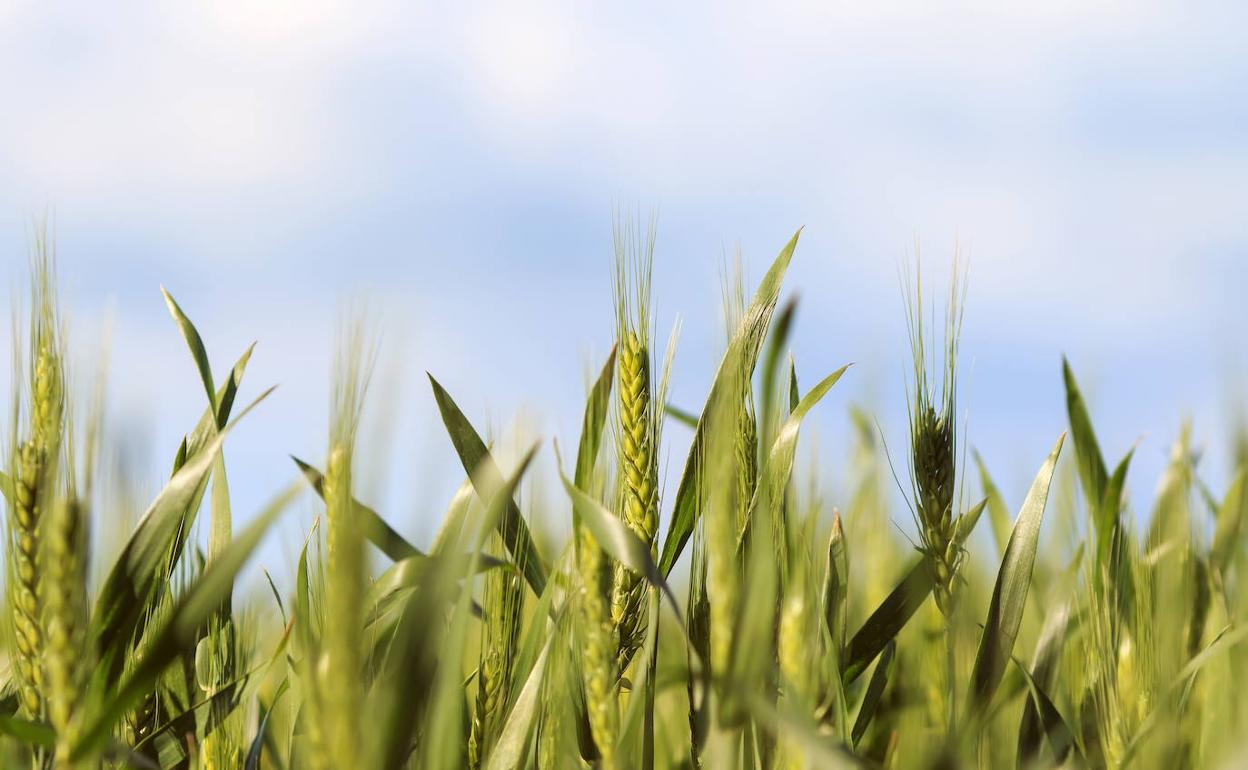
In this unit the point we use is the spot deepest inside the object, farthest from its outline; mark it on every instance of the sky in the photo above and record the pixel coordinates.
(451, 171)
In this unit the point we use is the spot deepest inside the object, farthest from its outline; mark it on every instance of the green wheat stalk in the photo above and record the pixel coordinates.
(638, 424)
(35, 486)
(933, 438)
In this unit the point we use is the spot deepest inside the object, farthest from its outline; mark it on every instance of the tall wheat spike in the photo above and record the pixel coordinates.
(795, 653)
(65, 547)
(35, 484)
(502, 603)
(597, 635)
(745, 440)
(933, 438)
(638, 425)
(341, 663)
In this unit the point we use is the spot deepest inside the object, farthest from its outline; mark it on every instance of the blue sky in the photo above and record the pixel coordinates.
(454, 167)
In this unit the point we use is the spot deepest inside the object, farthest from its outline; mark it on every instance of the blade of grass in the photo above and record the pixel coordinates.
(772, 355)
(779, 467)
(741, 356)
(27, 732)
(875, 693)
(486, 479)
(514, 737)
(998, 512)
(196, 345)
(614, 537)
(210, 422)
(1091, 462)
(899, 606)
(819, 749)
(181, 630)
(125, 592)
(685, 418)
(1055, 727)
(1107, 511)
(1034, 725)
(1230, 522)
(6, 487)
(1009, 596)
(595, 417)
(375, 528)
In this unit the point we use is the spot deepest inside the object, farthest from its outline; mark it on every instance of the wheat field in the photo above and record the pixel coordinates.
(736, 616)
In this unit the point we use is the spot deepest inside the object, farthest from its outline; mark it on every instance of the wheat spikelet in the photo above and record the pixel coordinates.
(344, 593)
(65, 618)
(340, 666)
(794, 636)
(638, 422)
(933, 441)
(639, 470)
(932, 447)
(728, 481)
(795, 659)
(24, 587)
(217, 752)
(34, 482)
(746, 438)
(746, 451)
(502, 603)
(551, 724)
(598, 639)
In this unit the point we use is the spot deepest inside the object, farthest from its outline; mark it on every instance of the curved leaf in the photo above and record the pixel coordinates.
(1035, 724)
(741, 356)
(1091, 462)
(193, 341)
(819, 749)
(899, 606)
(1230, 522)
(1055, 727)
(124, 594)
(410, 671)
(596, 407)
(30, 733)
(779, 465)
(1009, 596)
(887, 620)
(770, 413)
(375, 528)
(1107, 524)
(487, 479)
(513, 739)
(998, 513)
(453, 523)
(181, 630)
(1222, 642)
(614, 537)
(210, 422)
(687, 419)
(875, 692)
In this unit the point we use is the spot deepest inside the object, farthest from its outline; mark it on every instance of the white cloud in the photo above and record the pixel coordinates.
(1089, 154)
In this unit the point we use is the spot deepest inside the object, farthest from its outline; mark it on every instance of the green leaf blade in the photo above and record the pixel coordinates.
(741, 356)
(1009, 596)
(487, 479)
